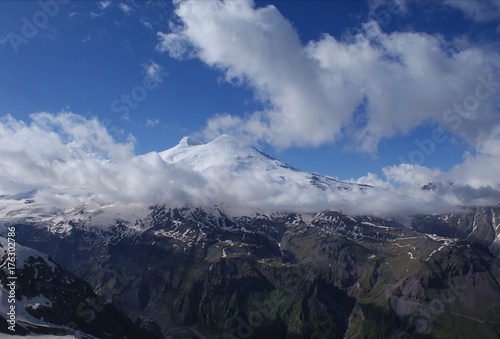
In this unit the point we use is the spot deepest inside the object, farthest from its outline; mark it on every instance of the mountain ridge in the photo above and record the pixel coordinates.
(178, 267)
(206, 269)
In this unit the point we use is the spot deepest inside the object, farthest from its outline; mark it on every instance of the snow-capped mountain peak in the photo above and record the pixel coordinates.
(224, 151)
(190, 141)
(225, 171)
(234, 165)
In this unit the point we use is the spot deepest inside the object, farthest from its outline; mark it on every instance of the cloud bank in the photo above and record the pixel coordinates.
(71, 161)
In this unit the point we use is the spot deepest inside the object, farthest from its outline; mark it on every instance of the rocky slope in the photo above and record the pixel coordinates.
(479, 224)
(39, 297)
(203, 272)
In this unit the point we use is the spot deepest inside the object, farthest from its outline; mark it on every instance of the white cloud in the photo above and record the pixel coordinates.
(481, 169)
(152, 122)
(372, 180)
(71, 160)
(384, 7)
(154, 72)
(478, 10)
(369, 87)
(374, 86)
(94, 15)
(173, 44)
(146, 24)
(411, 175)
(475, 181)
(125, 8)
(67, 156)
(104, 4)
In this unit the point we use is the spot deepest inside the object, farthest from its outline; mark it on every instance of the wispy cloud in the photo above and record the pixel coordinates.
(478, 10)
(146, 24)
(396, 6)
(104, 4)
(125, 8)
(154, 72)
(94, 15)
(152, 122)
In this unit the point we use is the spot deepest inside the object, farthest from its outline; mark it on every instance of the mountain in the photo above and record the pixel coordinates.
(200, 272)
(39, 297)
(224, 271)
(479, 224)
(228, 155)
(223, 152)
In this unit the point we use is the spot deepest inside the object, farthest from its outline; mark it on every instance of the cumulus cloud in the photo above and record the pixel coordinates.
(363, 88)
(411, 175)
(473, 182)
(71, 160)
(373, 86)
(259, 47)
(480, 169)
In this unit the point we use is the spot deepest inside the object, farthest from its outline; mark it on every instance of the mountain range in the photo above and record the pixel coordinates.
(237, 264)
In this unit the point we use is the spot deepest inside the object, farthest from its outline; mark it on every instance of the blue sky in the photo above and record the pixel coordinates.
(88, 56)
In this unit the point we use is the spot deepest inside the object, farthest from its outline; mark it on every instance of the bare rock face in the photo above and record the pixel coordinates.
(204, 272)
(51, 300)
(476, 224)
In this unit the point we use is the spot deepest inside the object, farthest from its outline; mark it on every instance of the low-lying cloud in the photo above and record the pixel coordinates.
(72, 161)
